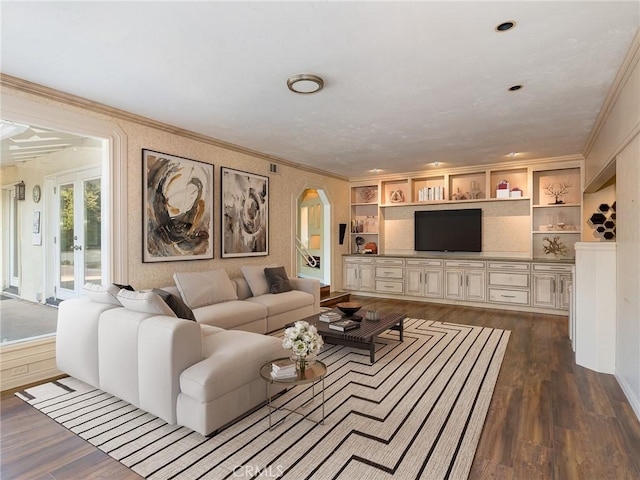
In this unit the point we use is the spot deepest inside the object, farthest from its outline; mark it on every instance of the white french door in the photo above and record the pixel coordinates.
(13, 230)
(78, 239)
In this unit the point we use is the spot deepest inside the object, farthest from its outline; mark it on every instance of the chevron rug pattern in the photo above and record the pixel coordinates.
(416, 413)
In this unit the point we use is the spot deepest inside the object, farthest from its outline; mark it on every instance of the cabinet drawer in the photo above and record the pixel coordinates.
(391, 287)
(389, 272)
(509, 279)
(358, 260)
(463, 264)
(551, 267)
(389, 261)
(500, 295)
(424, 263)
(509, 266)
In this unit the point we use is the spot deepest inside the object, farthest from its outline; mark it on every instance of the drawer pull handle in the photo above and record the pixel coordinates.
(508, 296)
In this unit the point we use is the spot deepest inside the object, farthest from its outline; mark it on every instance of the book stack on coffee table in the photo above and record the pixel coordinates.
(283, 369)
(344, 325)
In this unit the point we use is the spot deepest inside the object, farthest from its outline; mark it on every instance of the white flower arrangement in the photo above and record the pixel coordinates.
(303, 339)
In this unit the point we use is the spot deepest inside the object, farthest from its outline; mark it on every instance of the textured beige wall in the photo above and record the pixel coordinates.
(284, 187)
(506, 227)
(621, 124)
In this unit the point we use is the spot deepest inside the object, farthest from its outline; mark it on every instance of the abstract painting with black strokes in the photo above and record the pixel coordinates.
(245, 214)
(177, 208)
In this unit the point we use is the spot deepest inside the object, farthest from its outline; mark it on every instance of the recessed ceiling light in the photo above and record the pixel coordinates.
(514, 88)
(305, 83)
(503, 27)
(436, 163)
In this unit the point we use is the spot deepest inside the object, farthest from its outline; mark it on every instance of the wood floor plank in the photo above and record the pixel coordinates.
(548, 418)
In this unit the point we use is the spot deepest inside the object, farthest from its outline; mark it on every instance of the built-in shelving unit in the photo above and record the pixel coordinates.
(532, 183)
(365, 216)
(556, 210)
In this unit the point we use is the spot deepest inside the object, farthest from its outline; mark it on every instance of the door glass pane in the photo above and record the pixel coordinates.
(67, 264)
(92, 232)
(15, 242)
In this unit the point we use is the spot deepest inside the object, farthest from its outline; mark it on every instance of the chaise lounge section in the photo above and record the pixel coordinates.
(190, 373)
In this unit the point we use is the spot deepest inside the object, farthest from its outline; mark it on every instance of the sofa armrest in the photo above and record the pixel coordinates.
(166, 347)
(309, 285)
(77, 338)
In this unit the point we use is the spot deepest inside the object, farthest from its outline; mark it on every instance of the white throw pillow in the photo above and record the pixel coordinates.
(144, 302)
(198, 289)
(256, 279)
(102, 294)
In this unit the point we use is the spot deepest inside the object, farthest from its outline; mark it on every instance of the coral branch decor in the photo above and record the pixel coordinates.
(554, 246)
(557, 190)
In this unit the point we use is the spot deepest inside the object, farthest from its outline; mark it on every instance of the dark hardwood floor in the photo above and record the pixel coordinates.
(548, 419)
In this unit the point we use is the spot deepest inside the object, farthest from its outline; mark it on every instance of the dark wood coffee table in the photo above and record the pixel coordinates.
(364, 336)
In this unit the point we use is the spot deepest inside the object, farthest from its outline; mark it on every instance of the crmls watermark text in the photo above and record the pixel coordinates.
(249, 471)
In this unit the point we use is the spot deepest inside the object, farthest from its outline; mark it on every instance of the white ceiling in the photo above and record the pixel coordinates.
(406, 83)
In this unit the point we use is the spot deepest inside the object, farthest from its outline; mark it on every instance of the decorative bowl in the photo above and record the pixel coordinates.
(349, 308)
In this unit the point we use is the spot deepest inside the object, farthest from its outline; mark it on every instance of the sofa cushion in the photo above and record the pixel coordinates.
(176, 304)
(230, 314)
(283, 302)
(277, 279)
(233, 359)
(102, 294)
(257, 280)
(198, 289)
(144, 302)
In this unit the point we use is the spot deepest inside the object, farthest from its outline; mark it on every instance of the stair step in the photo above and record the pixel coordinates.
(325, 291)
(334, 298)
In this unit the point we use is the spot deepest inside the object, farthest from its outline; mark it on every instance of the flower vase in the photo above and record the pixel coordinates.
(302, 362)
(301, 365)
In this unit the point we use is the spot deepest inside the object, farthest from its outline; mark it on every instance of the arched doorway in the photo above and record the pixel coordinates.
(313, 242)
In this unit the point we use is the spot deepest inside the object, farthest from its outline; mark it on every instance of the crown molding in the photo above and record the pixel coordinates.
(559, 162)
(31, 88)
(624, 73)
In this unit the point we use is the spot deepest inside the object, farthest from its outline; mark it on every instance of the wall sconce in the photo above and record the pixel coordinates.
(20, 191)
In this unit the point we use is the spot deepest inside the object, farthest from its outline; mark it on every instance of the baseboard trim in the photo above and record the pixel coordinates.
(628, 392)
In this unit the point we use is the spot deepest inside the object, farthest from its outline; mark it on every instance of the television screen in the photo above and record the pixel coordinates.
(449, 230)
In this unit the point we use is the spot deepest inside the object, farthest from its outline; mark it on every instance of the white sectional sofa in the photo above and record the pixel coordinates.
(262, 313)
(192, 373)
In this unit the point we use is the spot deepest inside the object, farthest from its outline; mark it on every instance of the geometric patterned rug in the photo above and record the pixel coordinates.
(418, 412)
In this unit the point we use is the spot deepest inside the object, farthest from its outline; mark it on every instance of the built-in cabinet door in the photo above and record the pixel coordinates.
(454, 286)
(423, 282)
(564, 297)
(351, 280)
(413, 281)
(432, 283)
(544, 290)
(367, 278)
(475, 283)
(358, 277)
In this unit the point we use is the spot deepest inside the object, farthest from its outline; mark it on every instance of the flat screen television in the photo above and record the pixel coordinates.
(449, 230)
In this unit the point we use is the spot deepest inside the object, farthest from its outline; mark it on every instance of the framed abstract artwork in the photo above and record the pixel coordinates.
(177, 208)
(245, 214)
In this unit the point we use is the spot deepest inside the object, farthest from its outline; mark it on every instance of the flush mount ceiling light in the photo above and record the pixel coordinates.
(503, 27)
(305, 83)
(514, 88)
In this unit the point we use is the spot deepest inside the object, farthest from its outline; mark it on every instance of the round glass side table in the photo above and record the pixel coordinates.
(314, 373)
